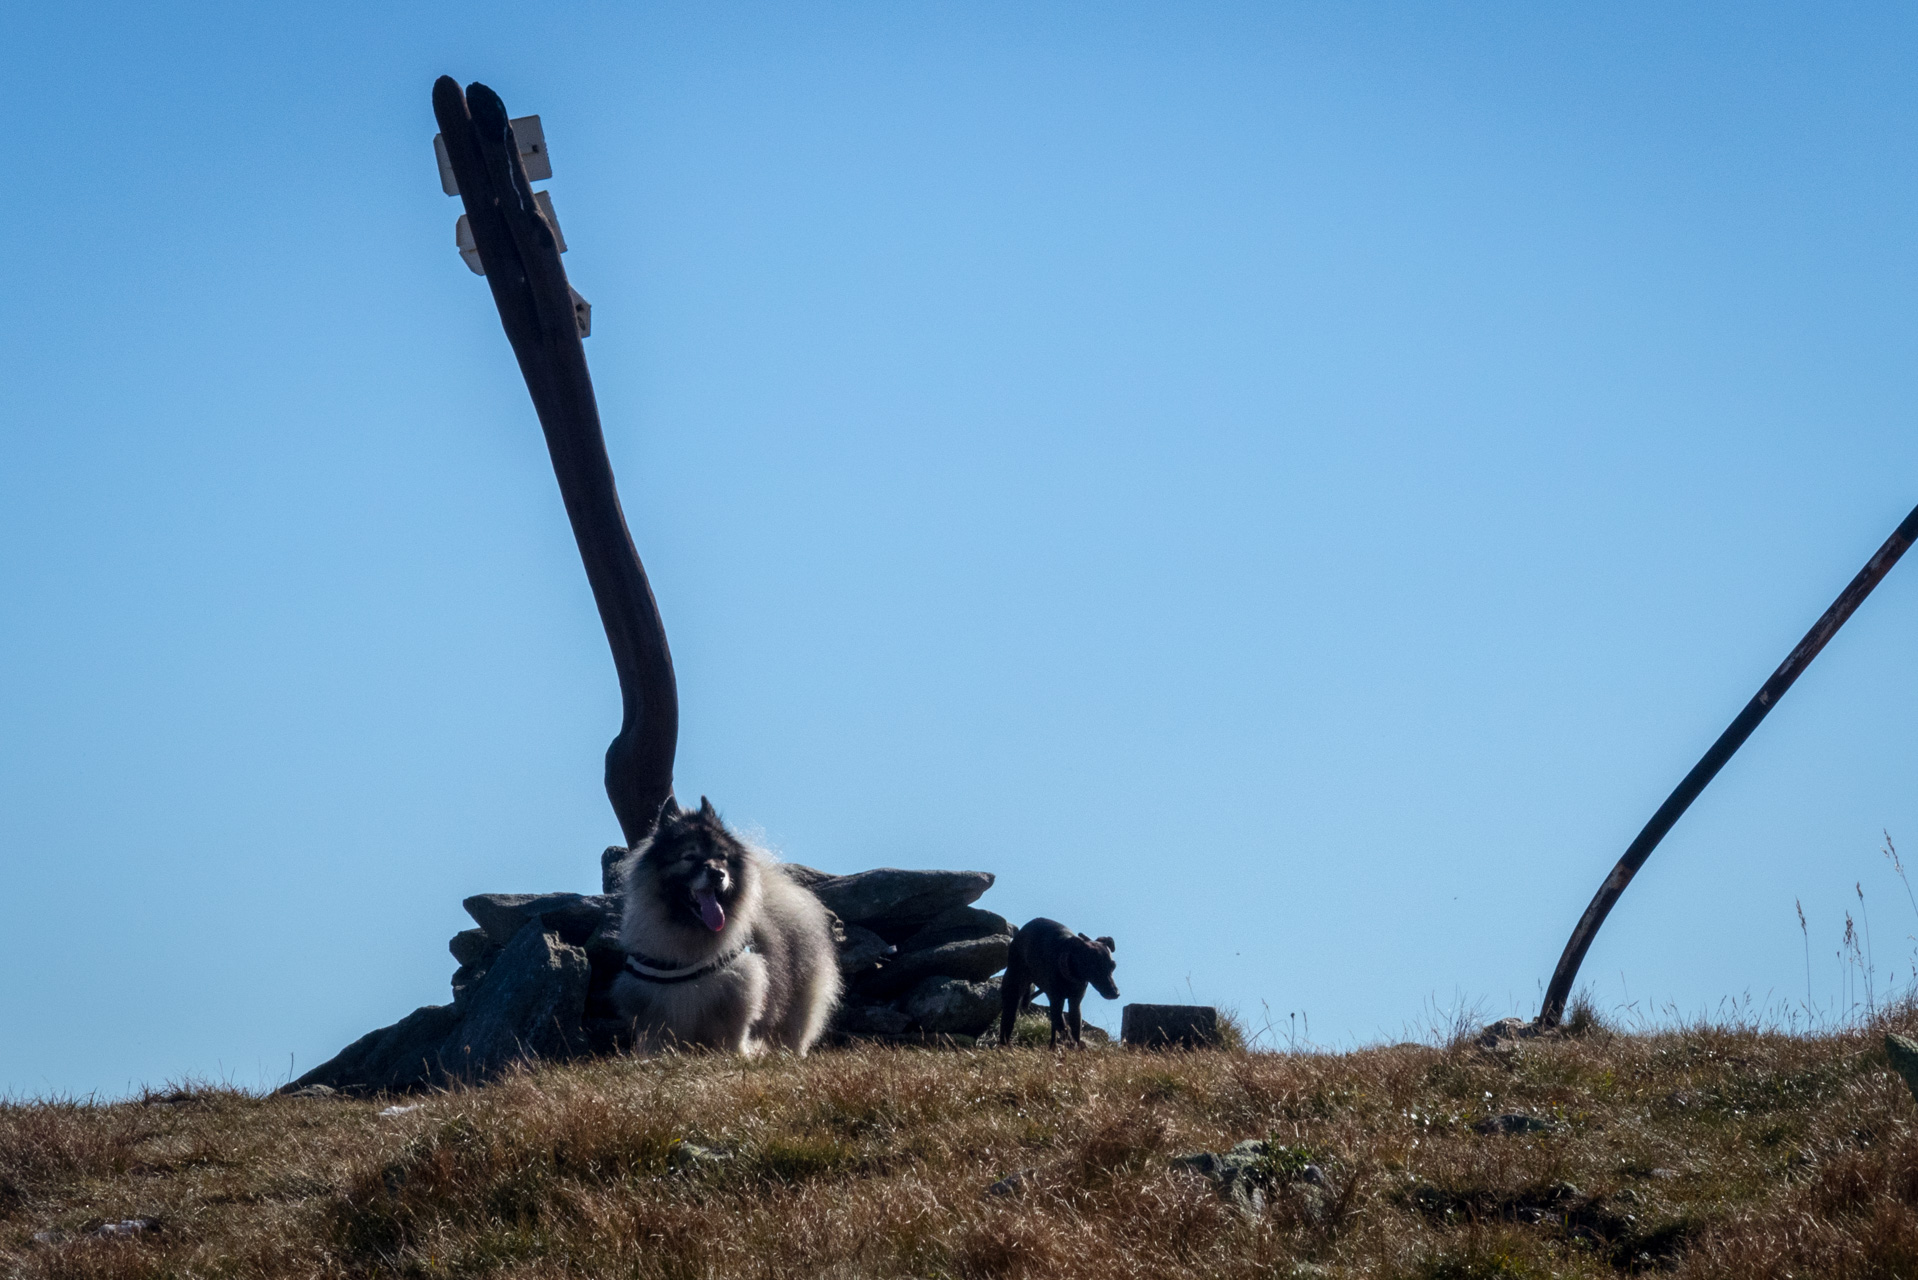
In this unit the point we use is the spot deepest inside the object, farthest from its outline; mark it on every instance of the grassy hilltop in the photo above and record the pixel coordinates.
(1697, 1152)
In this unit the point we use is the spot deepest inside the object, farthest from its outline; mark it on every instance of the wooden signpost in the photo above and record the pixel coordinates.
(517, 245)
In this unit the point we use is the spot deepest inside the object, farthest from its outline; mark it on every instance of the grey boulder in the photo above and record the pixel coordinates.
(1241, 1175)
(1506, 1033)
(960, 924)
(973, 961)
(870, 1020)
(1515, 1123)
(1013, 1183)
(861, 950)
(470, 946)
(402, 1056)
(612, 870)
(896, 904)
(574, 916)
(953, 1005)
(528, 1005)
(466, 980)
(604, 940)
(1251, 1169)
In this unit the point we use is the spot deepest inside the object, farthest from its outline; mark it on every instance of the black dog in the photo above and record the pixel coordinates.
(1060, 963)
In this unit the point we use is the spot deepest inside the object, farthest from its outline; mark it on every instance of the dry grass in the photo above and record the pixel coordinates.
(1699, 1152)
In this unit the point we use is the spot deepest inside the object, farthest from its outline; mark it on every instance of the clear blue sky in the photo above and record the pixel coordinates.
(1290, 487)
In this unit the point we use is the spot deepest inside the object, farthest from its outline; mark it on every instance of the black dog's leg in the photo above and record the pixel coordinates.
(1014, 990)
(1072, 1018)
(1055, 1013)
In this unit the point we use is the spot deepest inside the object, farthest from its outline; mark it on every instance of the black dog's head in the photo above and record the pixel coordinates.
(1092, 960)
(698, 870)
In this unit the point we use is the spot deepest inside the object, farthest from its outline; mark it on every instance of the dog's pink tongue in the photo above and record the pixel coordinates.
(710, 911)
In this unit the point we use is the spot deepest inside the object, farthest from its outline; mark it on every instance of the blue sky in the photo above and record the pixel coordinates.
(1290, 487)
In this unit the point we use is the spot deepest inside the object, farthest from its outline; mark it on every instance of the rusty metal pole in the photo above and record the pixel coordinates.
(1707, 768)
(521, 257)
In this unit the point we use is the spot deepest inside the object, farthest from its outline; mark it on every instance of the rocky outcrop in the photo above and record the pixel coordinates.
(536, 971)
(527, 1002)
(937, 981)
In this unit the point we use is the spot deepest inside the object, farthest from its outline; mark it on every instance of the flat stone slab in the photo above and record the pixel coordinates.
(961, 924)
(574, 916)
(1169, 1026)
(972, 961)
(895, 903)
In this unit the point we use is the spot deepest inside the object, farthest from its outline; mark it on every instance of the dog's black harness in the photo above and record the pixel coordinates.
(665, 972)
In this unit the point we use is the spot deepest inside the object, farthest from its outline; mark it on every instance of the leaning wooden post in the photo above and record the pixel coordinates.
(520, 255)
(1707, 768)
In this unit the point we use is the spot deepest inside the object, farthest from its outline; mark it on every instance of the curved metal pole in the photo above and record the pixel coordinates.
(1707, 768)
(521, 257)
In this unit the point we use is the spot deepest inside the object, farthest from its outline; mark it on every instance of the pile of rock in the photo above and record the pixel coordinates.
(917, 956)
(535, 972)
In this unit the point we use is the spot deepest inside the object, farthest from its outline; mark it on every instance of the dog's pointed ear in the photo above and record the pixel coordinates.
(669, 808)
(1107, 943)
(706, 809)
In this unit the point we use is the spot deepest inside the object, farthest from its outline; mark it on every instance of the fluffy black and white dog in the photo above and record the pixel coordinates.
(722, 949)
